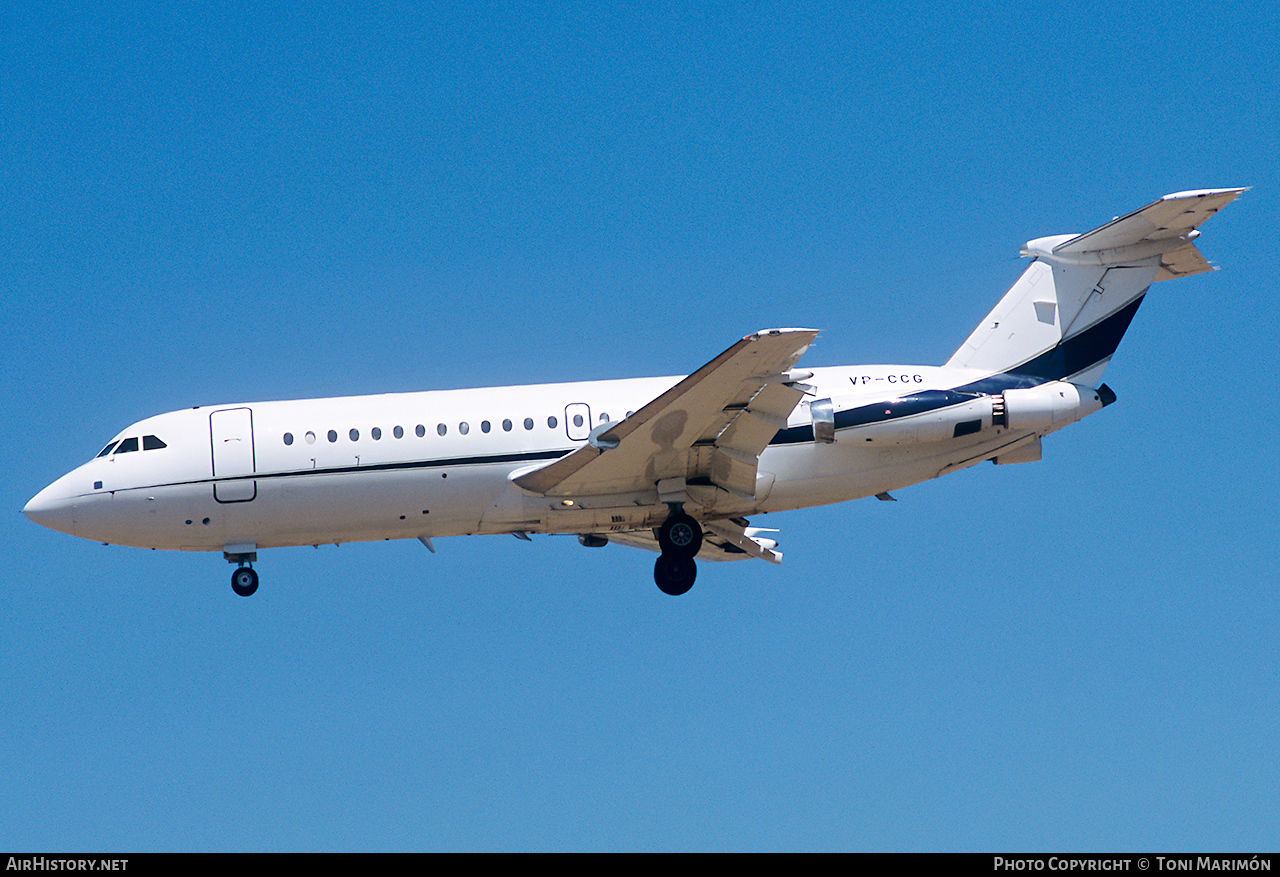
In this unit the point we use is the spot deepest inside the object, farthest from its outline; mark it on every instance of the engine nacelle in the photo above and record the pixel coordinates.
(939, 415)
(1049, 406)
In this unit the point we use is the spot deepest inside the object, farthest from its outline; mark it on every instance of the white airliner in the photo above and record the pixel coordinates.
(674, 465)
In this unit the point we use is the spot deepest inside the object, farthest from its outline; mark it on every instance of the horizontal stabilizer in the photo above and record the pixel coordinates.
(1182, 262)
(1164, 228)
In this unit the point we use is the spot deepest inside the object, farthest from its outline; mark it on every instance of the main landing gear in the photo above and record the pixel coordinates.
(679, 537)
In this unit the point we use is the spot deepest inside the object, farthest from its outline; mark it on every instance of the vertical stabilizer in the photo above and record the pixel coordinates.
(1065, 316)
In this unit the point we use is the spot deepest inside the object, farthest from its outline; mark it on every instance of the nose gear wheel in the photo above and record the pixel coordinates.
(244, 581)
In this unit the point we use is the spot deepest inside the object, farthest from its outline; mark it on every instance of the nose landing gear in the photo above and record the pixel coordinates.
(680, 538)
(244, 581)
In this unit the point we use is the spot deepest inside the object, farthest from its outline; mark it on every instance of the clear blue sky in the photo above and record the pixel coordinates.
(236, 203)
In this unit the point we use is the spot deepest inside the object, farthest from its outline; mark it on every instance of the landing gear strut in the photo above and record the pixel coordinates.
(679, 537)
(244, 581)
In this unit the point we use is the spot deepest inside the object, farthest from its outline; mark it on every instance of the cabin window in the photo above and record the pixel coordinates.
(577, 420)
(464, 427)
(553, 423)
(420, 430)
(333, 435)
(376, 433)
(528, 423)
(129, 444)
(441, 429)
(354, 435)
(506, 426)
(398, 432)
(310, 437)
(604, 418)
(288, 438)
(484, 426)
(106, 450)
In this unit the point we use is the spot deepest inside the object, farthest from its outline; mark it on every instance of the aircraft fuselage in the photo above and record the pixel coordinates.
(433, 464)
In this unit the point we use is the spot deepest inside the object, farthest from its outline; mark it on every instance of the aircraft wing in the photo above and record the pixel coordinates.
(722, 540)
(713, 425)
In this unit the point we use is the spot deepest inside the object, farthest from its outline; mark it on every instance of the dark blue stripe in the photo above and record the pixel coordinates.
(997, 384)
(879, 412)
(441, 463)
(902, 406)
(1069, 357)
(1081, 351)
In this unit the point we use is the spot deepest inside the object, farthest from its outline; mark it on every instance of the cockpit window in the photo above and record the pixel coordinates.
(106, 450)
(152, 443)
(127, 445)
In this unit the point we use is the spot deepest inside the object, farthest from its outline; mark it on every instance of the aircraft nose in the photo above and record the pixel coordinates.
(54, 508)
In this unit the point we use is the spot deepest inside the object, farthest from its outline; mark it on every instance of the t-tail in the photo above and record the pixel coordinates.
(1064, 317)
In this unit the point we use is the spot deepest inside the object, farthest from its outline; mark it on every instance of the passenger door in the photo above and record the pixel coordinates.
(231, 433)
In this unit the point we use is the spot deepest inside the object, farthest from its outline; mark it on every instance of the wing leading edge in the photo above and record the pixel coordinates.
(712, 425)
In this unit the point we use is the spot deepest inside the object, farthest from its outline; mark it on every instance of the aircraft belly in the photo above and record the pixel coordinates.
(296, 509)
(169, 517)
(812, 475)
(516, 510)
(358, 507)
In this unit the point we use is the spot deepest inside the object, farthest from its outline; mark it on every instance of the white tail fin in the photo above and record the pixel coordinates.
(1066, 314)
